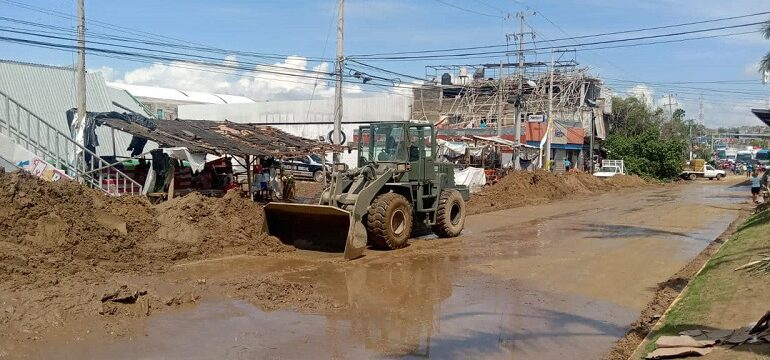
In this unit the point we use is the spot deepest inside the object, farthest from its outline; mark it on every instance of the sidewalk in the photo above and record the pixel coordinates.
(722, 298)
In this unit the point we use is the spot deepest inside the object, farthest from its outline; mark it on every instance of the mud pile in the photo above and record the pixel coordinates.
(530, 188)
(62, 246)
(51, 230)
(197, 226)
(48, 230)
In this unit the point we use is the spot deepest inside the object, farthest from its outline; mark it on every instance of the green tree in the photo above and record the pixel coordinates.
(650, 145)
(764, 64)
(631, 116)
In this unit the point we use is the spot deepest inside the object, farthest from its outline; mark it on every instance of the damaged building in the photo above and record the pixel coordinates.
(486, 96)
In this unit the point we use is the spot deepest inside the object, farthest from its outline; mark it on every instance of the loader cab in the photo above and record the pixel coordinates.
(399, 143)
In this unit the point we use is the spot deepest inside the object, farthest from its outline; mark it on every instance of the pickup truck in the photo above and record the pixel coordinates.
(610, 168)
(608, 171)
(705, 171)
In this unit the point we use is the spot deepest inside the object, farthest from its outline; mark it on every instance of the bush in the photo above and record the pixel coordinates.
(647, 154)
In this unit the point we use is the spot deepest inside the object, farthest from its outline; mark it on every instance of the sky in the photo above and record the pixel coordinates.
(299, 33)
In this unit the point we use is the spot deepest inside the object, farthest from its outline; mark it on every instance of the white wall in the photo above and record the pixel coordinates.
(286, 115)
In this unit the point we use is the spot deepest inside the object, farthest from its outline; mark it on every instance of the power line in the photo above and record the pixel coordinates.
(566, 38)
(466, 10)
(466, 55)
(491, 6)
(143, 55)
(670, 41)
(197, 66)
(191, 57)
(386, 70)
(164, 44)
(141, 33)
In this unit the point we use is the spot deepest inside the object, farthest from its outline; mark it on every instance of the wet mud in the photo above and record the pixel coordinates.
(554, 281)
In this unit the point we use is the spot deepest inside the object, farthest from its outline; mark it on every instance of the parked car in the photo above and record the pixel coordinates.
(307, 167)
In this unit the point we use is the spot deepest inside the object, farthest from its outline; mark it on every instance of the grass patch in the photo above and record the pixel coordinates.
(718, 281)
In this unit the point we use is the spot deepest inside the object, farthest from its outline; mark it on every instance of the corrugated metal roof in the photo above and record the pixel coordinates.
(183, 96)
(49, 91)
(123, 101)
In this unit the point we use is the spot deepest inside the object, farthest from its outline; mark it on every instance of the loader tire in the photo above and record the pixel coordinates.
(450, 214)
(389, 221)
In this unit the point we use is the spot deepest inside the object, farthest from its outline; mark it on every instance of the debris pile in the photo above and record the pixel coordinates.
(700, 342)
(60, 242)
(522, 188)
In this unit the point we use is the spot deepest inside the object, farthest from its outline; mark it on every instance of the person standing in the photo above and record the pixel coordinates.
(567, 164)
(756, 186)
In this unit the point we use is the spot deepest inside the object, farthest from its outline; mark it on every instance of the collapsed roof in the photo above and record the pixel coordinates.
(214, 137)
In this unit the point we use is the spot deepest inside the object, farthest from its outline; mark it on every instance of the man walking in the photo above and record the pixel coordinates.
(756, 186)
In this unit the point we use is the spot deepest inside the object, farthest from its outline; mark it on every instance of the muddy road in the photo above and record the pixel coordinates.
(555, 281)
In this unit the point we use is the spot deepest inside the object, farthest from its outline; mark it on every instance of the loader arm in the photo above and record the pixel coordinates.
(356, 241)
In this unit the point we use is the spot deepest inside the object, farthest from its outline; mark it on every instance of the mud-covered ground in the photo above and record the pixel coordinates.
(541, 281)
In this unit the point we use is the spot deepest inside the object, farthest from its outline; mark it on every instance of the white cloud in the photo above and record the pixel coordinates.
(752, 69)
(727, 112)
(643, 92)
(292, 78)
(108, 73)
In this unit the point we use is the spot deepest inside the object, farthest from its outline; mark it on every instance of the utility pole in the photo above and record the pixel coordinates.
(701, 115)
(548, 129)
(81, 70)
(501, 103)
(516, 113)
(79, 123)
(690, 138)
(337, 135)
(670, 105)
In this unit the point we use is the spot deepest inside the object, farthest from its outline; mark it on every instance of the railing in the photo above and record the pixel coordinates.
(43, 139)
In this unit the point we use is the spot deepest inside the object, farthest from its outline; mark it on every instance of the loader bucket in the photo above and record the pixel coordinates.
(316, 227)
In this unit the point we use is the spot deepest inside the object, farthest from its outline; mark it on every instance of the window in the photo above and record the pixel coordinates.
(388, 143)
(428, 141)
(417, 135)
(363, 146)
(316, 158)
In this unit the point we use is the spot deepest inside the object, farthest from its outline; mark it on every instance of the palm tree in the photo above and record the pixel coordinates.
(764, 65)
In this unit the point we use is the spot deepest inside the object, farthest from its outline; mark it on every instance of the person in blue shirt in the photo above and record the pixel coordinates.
(567, 164)
(756, 186)
(749, 169)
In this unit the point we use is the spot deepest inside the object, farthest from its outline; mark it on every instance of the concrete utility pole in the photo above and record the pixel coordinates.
(81, 70)
(337, 135)
(701, 116)
(501, 103)
(548, 129)
(516, 110)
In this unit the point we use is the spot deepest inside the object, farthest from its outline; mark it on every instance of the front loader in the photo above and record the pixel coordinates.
(397, 184)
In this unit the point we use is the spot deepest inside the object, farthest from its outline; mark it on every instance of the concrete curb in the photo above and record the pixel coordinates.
(639, 348)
